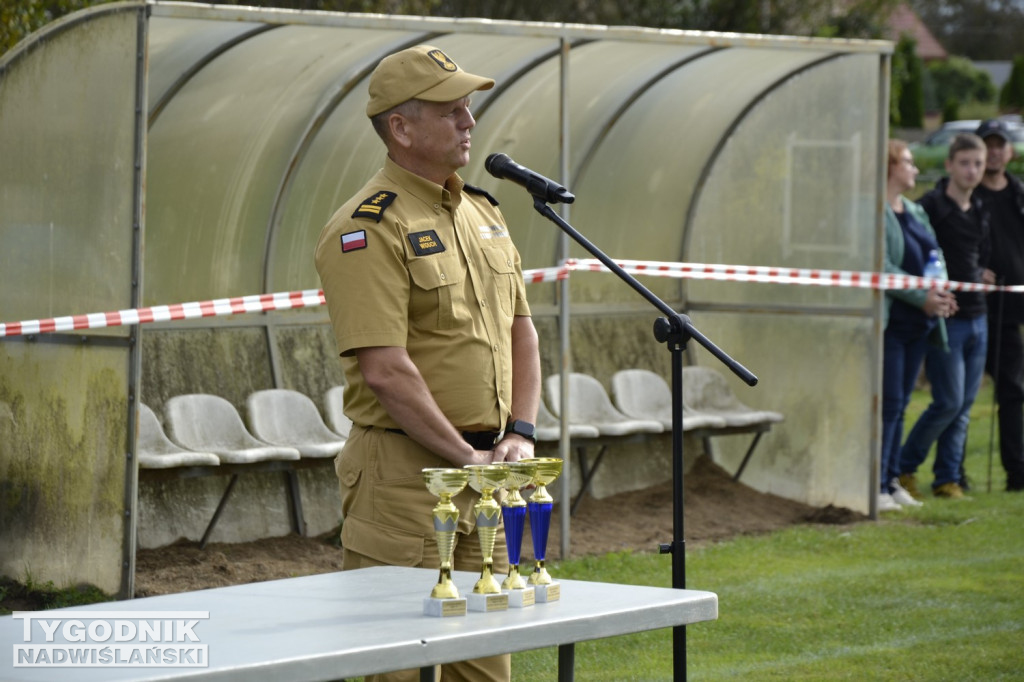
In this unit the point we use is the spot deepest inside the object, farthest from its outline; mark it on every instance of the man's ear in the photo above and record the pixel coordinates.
(398, 127)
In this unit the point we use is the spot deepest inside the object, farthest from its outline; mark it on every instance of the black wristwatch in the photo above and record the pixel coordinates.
(521, 428)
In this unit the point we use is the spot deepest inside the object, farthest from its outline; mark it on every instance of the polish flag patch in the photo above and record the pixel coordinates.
(353, 241)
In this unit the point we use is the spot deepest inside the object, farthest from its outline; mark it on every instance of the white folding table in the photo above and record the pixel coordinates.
(353, 623)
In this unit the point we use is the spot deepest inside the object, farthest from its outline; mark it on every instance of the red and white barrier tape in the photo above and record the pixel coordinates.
(313, 297)
(804, 276)
(166, 313)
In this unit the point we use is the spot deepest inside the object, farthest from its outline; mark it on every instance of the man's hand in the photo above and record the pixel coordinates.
(512, 448)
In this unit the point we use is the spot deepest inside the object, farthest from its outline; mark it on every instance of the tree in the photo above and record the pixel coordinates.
(1012, 96)
(979, 29)
(958, 79)
(907, 90)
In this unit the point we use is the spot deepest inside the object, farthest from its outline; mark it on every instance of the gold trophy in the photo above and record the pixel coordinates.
(540, 505)
(444, 599)
(485, 479)
(513, 509)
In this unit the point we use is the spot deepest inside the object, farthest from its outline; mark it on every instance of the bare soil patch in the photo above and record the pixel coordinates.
(716, 508)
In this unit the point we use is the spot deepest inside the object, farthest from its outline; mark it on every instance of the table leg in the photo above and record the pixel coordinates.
(566, 662)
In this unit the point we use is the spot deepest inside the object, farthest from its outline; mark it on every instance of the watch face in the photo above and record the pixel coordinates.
(521, 428)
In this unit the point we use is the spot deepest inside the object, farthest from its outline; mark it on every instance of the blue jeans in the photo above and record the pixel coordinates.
(903, 353)
(955, 377)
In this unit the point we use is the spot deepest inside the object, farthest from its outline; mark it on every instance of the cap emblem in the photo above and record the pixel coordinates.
(443, 61)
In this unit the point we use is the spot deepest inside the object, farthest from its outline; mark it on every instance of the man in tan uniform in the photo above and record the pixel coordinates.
(425, 292)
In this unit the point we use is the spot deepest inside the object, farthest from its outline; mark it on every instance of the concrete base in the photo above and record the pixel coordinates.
(258, 507)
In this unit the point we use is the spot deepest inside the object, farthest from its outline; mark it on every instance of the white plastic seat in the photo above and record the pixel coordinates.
(283, 417)
(589, 404)
(707, 391)
(549, 428)
(640, 393)
(334, 411)
(156, 451)
(209, 423)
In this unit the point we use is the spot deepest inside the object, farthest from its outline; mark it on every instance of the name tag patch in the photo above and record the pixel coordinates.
(353, 241)
(492, 231)
(425, 243)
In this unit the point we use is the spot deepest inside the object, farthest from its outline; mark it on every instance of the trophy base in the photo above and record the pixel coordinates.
(487, 602)
(549, 592)
(519, 599)
(443, 608)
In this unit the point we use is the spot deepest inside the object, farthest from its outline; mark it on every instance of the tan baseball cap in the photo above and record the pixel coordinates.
(421, 72)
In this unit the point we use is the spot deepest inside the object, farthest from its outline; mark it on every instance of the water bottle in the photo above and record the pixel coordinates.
(933, 268)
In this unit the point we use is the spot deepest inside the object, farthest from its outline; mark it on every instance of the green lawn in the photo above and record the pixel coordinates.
(935, 593)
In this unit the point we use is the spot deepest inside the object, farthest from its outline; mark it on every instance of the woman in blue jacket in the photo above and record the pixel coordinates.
(913, 317)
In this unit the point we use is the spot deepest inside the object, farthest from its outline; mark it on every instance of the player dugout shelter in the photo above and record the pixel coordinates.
(155, 153)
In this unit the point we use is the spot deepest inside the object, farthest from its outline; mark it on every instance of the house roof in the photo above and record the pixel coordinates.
(905, 21)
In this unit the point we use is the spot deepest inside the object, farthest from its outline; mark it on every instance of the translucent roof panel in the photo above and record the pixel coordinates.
(340, 155)
(52, 251)
(253, 104)
(809, 188)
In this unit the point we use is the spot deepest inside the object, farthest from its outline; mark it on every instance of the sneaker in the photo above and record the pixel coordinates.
(902, 497)
(909, 483)
(950, 491)
(886, 503)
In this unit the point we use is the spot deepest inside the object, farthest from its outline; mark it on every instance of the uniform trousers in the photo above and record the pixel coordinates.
(387, 522)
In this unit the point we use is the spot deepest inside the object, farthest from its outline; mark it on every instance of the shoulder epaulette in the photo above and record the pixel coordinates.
(374, 206)
(472, 189)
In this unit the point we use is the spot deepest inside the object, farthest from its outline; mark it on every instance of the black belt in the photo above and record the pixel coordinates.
(480, 440)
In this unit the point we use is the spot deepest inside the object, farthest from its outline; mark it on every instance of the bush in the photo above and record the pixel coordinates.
(957, 78)
(951, 110)
(1012, 96)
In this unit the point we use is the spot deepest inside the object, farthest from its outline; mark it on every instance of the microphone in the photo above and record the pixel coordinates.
(504, 168)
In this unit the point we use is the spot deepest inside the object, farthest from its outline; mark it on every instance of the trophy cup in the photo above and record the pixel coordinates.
(513, 510)
(444, 599)
(485, 479)
(540, 504)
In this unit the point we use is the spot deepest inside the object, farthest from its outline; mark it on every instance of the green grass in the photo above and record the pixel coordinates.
(935, 593)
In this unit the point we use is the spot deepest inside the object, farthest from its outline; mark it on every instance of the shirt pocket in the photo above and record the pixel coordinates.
(437, 297)
(502, 264)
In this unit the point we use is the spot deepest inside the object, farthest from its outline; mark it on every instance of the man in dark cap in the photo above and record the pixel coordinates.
(426, 297)
(1002, 196)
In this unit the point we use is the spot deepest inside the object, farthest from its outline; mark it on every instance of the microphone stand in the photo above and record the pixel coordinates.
(674, 330)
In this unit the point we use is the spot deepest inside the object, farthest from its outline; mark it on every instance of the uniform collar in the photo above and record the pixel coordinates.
(426, 191)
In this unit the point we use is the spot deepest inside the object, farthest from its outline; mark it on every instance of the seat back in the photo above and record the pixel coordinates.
(280, 415)
(642, 394)
(200, 421)
(156, 451)
(334, 411)
(588, 401)
(705, 388)
(151, 436)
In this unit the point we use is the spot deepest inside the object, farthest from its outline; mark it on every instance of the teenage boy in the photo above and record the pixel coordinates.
(1002, 196)
(962, 231)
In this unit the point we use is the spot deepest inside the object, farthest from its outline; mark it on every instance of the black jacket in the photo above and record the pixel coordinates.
(1007, 259)
(965, 242)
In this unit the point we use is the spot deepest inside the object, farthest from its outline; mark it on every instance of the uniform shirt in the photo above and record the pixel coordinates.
(432, 269)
